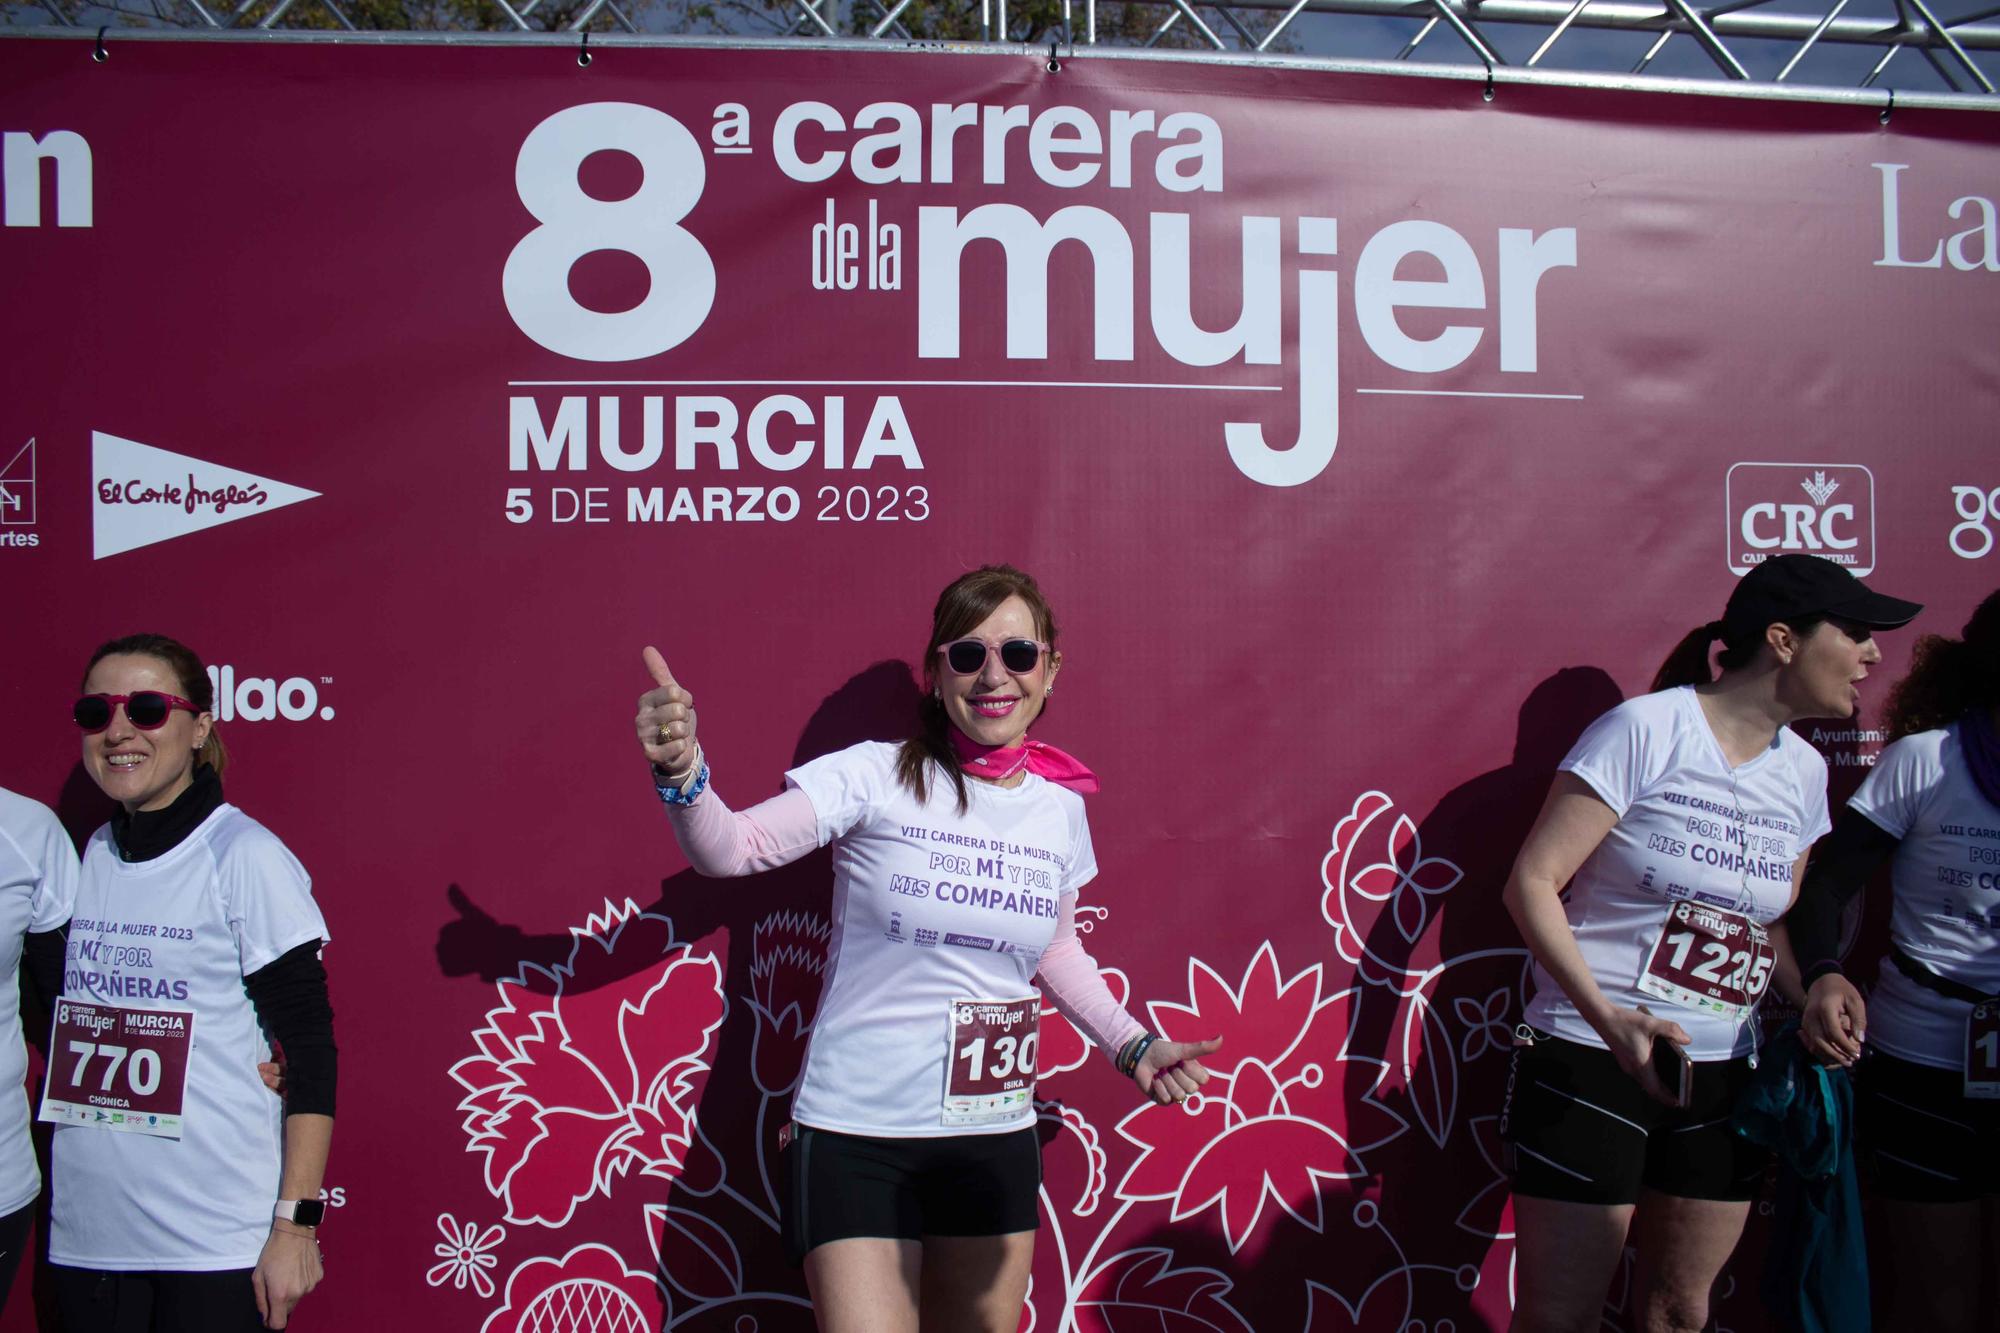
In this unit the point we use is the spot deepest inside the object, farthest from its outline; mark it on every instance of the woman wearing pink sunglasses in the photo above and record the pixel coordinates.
(912, 1167)
(186, 1197)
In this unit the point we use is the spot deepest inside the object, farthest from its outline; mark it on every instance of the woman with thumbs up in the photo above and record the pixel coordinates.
(912, 1167)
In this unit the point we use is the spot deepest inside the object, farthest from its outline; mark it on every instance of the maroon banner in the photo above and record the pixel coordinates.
(1369, 439)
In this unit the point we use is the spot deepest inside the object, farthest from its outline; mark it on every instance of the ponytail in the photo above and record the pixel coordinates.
(1688, 664)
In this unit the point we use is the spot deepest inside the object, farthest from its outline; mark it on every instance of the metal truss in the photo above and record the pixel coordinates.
(1733, 37)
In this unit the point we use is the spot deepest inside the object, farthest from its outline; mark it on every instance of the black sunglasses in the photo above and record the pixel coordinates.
(966, 657)
(148, 710)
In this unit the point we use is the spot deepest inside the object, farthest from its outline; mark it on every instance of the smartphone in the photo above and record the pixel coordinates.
(1674, 1070)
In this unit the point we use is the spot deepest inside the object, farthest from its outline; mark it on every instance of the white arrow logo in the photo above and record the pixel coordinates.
(144, 495)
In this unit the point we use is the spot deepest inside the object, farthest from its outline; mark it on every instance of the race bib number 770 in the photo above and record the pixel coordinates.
(116, 1068)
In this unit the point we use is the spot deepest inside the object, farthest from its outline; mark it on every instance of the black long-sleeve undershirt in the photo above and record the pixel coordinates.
(42, 956)
(291, 1001)
(1839, 868)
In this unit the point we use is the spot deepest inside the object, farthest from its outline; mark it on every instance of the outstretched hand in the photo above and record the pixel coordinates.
(666, 718)
(1170, 1071)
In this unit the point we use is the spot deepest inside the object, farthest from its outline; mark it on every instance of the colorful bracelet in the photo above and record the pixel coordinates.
(670, 786)
(1134, 1052)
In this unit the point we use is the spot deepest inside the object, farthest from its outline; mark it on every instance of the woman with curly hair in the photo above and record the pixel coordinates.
(1926, 1045)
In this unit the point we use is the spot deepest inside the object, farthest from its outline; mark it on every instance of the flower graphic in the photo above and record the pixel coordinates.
(787, 962)
(1063, 1048)
(594, 1066)
(588, 1290)
(1381, 867)
(464, 1251)
(1376, 866)
(1485, 1024)
(1288, 1105)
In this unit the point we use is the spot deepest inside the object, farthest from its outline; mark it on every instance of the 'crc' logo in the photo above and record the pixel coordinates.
(1972, 539)
(1822, 509)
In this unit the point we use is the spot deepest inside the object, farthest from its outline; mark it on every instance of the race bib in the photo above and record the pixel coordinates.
(1708, 959)
(116, 1068)
(990, 1074)
(1982, 1050)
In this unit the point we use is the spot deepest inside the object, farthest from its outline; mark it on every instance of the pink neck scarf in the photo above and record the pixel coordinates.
(996, 763)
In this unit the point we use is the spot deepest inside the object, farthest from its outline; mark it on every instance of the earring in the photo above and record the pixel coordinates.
(1048, 691)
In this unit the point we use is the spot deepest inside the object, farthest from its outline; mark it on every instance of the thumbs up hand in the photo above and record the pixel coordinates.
(666, 718)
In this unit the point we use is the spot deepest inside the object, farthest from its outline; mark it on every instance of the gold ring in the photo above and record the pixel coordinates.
(666, 732)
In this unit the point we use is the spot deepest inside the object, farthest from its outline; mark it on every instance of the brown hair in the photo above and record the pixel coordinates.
(965, 602)
(1949, 677)
(187, 669)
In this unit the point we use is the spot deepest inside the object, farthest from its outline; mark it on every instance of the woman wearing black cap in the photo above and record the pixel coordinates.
(1679, 823)
(1930, 1124)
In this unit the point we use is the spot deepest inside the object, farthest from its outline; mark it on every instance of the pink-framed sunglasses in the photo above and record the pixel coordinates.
(148, 710)
(966, 657)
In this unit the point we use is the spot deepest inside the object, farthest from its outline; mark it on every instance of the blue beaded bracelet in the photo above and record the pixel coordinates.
(673, 795)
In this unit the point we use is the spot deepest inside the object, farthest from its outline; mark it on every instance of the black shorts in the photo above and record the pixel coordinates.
(155, 1302)
(838, 1186)
(1922, 1140)
(13, 1240)
(1578, 1128)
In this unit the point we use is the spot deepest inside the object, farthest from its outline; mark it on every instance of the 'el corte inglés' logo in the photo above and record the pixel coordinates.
(1822, 509)
(142, 495)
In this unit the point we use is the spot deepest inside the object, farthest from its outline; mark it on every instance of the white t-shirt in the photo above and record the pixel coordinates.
(37, 891)
(929, 906)
(1946, 874)
(1689, 827)
(181, 932)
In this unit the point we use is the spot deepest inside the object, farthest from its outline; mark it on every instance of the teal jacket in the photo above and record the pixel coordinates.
(1816, 1271)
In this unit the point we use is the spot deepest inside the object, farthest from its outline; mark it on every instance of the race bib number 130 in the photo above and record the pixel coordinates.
(120, 1069)
(990, 1072)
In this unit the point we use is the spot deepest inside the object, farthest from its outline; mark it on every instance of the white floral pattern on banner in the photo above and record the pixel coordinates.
(464, 1251)
(1377, 866)
(592, 1067)
(587, 1290)
(1278, 1116)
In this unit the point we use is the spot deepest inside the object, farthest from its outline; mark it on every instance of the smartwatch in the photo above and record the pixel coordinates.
(300, 1212)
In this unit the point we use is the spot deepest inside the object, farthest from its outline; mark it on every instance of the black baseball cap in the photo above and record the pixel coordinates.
(1789, 586)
